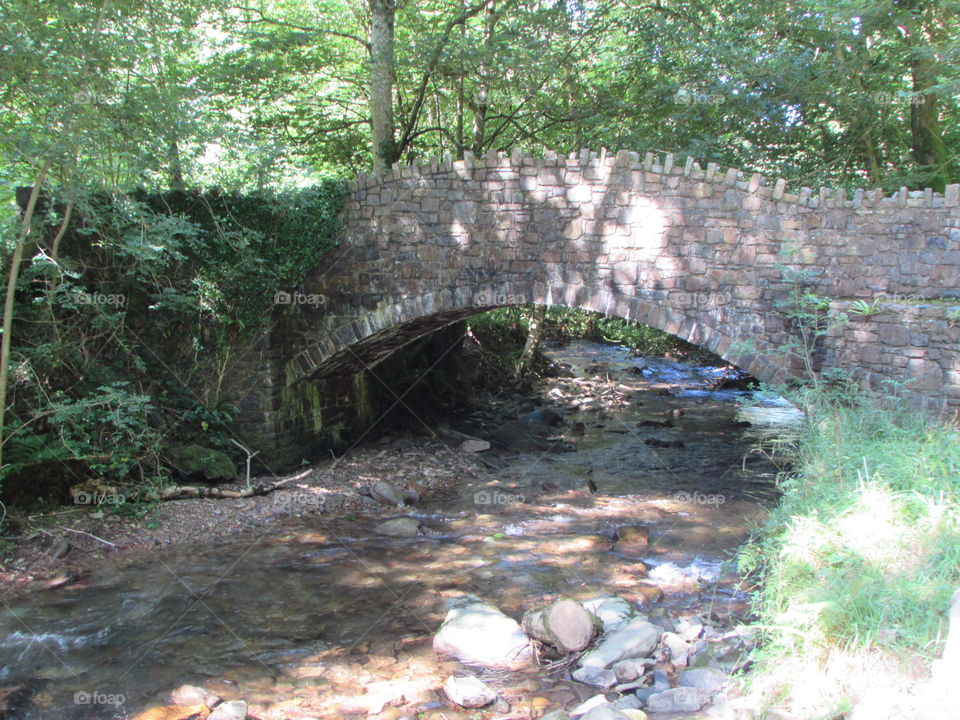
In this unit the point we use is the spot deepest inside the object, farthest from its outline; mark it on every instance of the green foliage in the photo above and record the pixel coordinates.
(864, 309)
(117, 345)
(567, 324)
(862, 549)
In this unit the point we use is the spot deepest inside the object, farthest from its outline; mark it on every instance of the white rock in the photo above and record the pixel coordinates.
(680, 699)
(594, 676)
(636, 639)
(474, 631)
(469, 691)
(607, 711)
(233, 710)
(588, 705)
(614, 612)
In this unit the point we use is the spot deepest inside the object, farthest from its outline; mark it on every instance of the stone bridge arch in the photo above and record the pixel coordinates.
(391, 327)
(695, 251)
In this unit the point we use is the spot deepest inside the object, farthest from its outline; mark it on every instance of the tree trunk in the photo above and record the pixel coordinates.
(483, 93)
(534, 336)
(929, 150)
(382, 18)
(176, 168)
(12, 277)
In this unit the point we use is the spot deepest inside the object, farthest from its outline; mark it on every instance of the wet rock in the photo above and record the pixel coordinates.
(660, 683)
(233, 710)
(542, 416)
(636, 639)
(631, 539)
(707, 679)
(386, 493)
(614, 612)
(474, 446)
(656, 442)
(632, 668)
(565, 624)
(650, 593)
(681, 699)
(469, 691)
(400, 527)
(578, 428)
(594, 676)
(675, 649)
(475, 631)
(193, 695)
(628, 702)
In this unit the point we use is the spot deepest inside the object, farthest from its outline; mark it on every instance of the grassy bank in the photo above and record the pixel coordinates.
(856, 566)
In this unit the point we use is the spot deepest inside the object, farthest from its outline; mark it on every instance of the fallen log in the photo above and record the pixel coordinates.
(180, 492)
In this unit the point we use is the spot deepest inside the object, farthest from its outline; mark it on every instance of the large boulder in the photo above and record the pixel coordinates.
(196, 462)
(565, 624)
(636, 639)
(475, 631)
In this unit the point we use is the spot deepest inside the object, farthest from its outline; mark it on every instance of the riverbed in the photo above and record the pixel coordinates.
(319, 617)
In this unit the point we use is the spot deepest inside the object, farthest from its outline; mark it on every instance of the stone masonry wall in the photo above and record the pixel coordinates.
(697, 251)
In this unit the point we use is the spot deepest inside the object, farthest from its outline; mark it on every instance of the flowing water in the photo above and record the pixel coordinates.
(328, 619)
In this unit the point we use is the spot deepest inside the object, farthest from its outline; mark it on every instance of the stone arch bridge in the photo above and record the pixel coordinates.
(709, 254)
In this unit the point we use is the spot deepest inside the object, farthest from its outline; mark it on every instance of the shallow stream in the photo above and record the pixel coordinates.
(327, 619)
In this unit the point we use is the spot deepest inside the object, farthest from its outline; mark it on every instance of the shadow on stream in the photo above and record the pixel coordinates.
(328, 619)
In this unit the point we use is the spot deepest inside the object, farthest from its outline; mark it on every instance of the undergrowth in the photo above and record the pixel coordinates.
(856, 565)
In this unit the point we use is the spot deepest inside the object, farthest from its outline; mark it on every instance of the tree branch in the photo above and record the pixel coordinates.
(302, 28)
(421, 94)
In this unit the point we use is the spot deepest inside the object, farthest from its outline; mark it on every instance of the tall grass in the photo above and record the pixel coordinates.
(856, 565)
